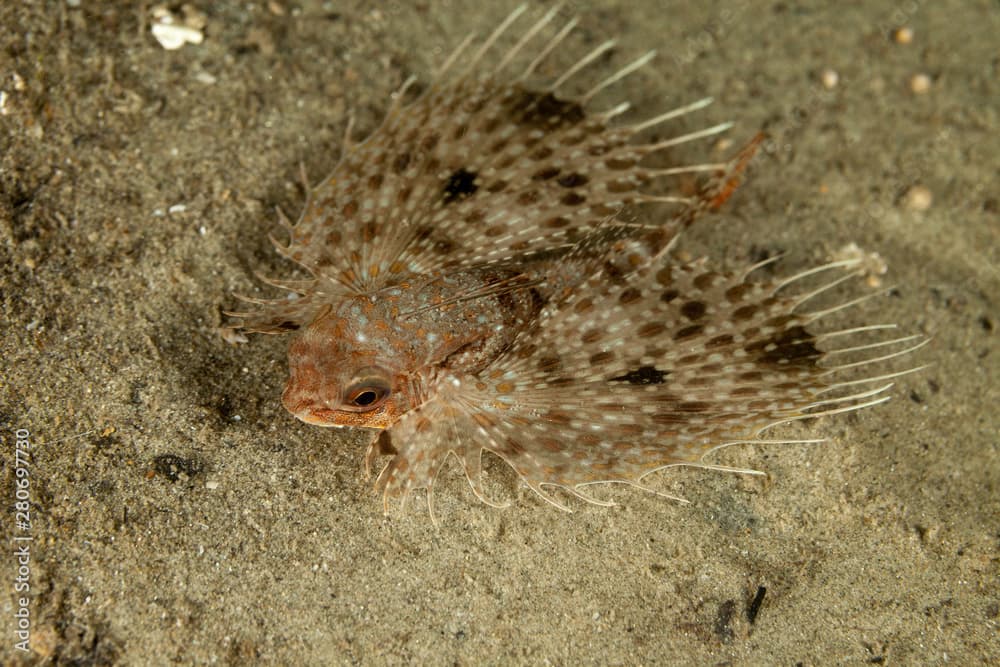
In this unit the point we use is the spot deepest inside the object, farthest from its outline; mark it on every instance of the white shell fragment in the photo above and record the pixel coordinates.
(173, 32)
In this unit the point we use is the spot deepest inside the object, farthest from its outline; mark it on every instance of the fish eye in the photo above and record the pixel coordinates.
(365, 398)
(366, 394)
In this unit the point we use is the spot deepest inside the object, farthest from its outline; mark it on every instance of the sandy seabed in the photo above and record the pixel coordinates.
(180, 516)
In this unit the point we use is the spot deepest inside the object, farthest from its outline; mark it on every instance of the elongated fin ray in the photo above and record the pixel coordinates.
(633, 66)
(553, 43)
(583, 62)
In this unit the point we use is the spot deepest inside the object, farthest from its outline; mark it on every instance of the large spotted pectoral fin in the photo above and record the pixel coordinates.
(483, 166)
(627, 379)
(623, 379)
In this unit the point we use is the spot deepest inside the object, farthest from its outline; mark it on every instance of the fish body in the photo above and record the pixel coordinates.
(477, 283)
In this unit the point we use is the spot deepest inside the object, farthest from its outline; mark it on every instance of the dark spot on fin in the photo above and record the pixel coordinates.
(544, 110)
(288, 325)
(643, 375)
(460, 185)
(793, 346)
(572, 180)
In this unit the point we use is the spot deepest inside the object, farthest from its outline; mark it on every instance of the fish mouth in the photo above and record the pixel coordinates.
(318, 417)
(318, 414)
(308, 410)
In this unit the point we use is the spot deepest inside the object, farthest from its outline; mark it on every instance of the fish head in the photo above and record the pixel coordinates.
(339, 376)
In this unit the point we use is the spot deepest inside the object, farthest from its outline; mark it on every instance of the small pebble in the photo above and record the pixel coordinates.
(903, 35)
(920, 83)
(206, 78)
(871, 264)
(830, 78)
(723, 145)
(918, 198)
